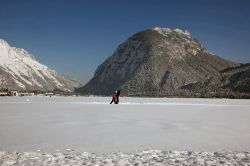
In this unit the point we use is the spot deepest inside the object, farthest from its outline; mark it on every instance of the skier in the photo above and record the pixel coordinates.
(114, 98)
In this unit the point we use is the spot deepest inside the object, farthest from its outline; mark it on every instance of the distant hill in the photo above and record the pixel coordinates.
(164, 62)
(20, 71)
(237, 78)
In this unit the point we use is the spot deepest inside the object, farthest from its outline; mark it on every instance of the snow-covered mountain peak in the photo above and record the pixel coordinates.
(167, 31)
(185, 32)
(162, 30)
(13, 52)
(20, 70)
(23, 53)
(3, 43)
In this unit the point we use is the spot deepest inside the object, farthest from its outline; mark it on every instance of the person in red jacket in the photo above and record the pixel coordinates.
(114, 98)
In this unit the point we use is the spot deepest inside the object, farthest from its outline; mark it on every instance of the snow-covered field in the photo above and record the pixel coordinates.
(91, 124)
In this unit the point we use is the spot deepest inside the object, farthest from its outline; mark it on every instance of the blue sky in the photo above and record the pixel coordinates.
(75, 36)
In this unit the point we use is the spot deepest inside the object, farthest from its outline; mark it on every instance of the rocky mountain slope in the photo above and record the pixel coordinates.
(163, 62)
(237, 78)
(20, 71)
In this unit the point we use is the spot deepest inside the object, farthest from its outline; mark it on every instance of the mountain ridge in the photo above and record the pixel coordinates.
(19, 70)
(160, 62)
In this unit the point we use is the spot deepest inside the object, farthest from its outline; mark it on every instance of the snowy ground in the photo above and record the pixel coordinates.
(144, 158)
(91, 124)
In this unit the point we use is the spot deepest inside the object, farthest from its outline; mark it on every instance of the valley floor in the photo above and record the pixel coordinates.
(217, 128)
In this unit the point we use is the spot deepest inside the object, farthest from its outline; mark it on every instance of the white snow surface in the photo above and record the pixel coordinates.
(91, 124)
(166, 31)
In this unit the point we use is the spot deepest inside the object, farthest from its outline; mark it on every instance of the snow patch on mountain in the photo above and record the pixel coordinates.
(167, 31)
(26, 72)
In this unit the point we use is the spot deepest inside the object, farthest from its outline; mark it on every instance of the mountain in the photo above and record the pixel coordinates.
(20, 71)
(163, 62)
(237, 78)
